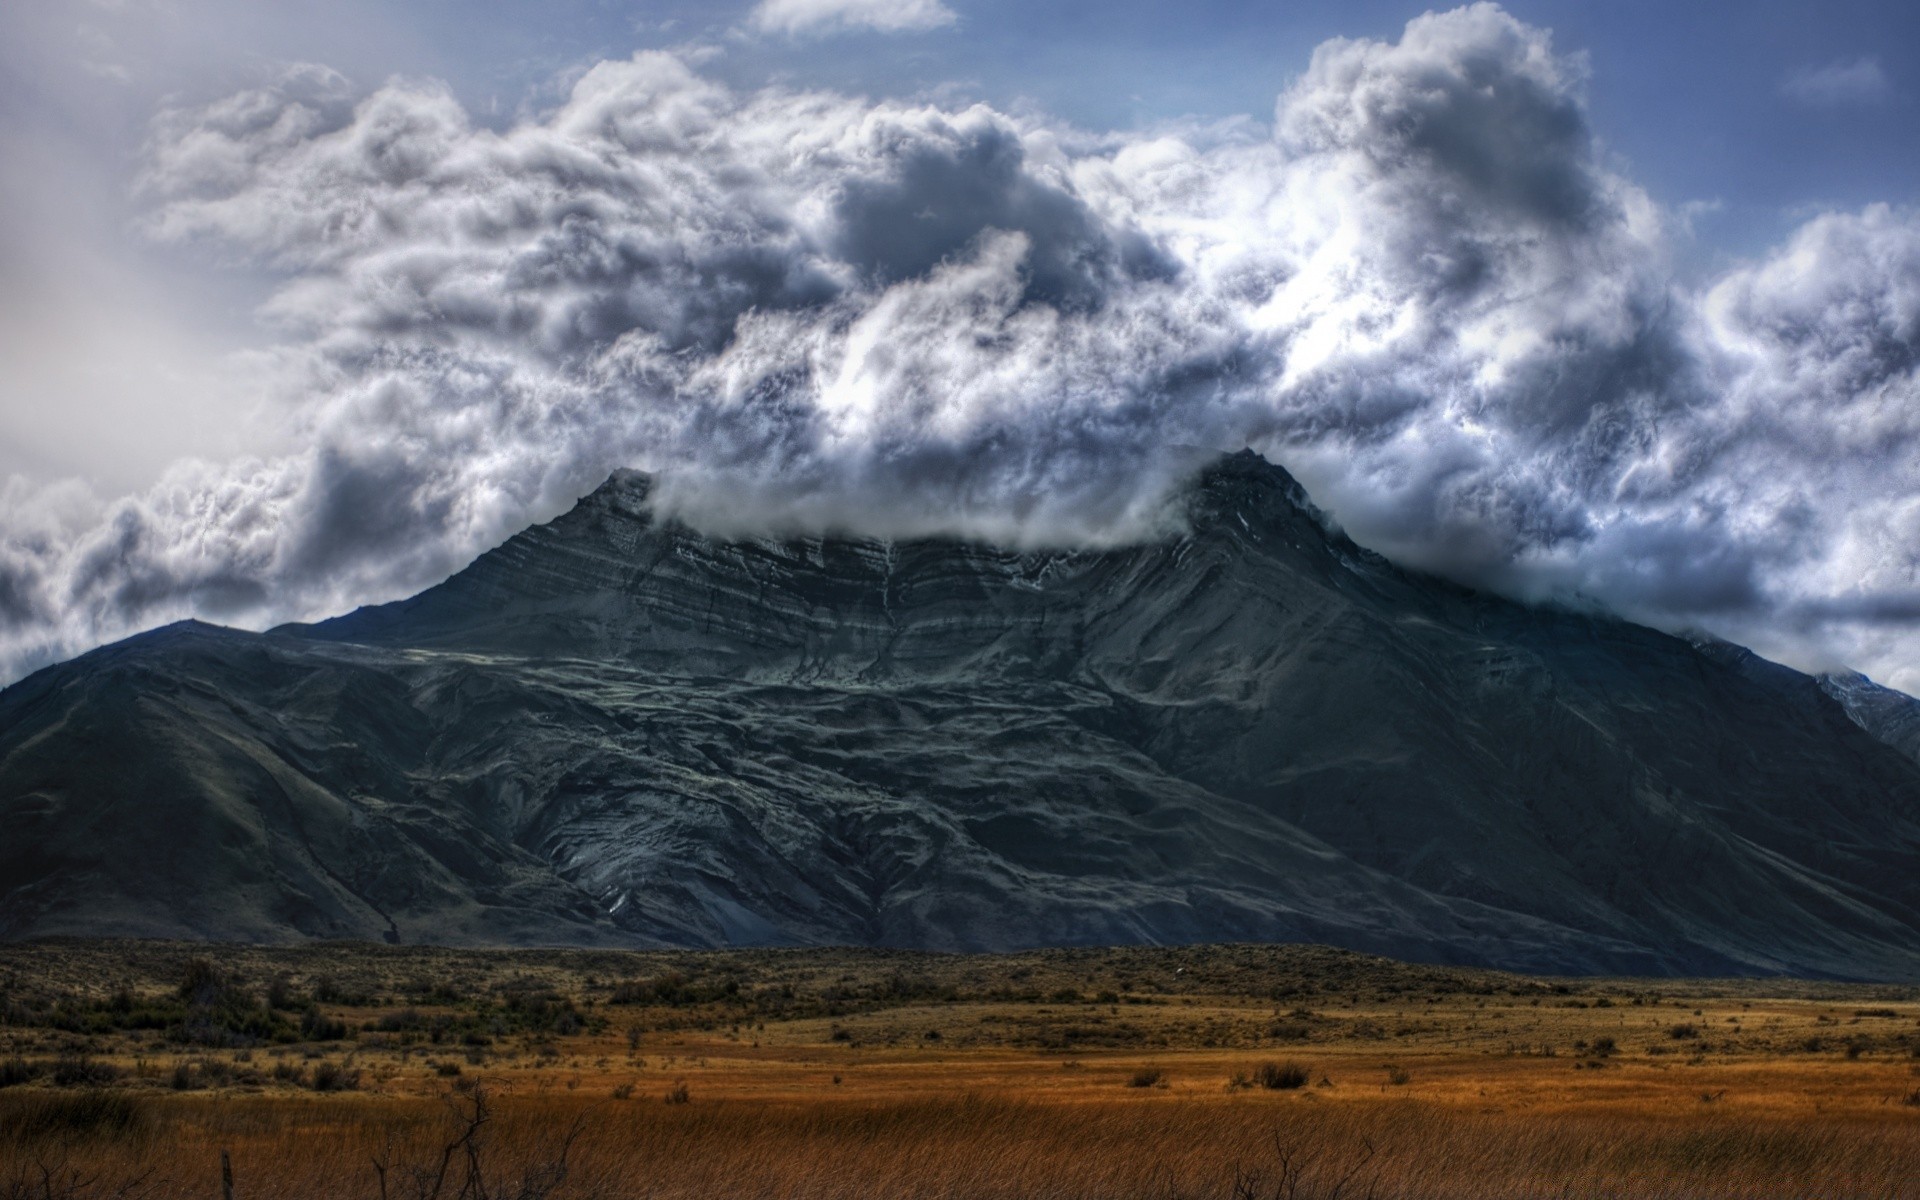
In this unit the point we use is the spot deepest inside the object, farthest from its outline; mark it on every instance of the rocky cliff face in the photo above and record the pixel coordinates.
(1890, 716)
(614, 730)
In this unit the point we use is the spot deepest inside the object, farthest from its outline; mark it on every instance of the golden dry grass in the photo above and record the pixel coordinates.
(818, 1075)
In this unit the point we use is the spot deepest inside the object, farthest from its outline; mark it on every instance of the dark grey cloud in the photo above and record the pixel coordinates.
(1427, 293)
(939, 197)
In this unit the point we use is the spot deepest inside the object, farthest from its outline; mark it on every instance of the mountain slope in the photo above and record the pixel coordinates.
(610, 729)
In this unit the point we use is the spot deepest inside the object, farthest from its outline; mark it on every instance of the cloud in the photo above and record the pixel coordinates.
(1426, 292)
(1839, 84)
(797, 17)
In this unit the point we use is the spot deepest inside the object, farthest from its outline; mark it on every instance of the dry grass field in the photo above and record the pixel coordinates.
(130, 1069)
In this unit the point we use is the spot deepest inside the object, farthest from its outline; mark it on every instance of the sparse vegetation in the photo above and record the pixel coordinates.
(1095, 1092)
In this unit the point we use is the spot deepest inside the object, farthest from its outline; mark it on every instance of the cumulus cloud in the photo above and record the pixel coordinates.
(1839, 84)
(1423, 290)
(828, 16)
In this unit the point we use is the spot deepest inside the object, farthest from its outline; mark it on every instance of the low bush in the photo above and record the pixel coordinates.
(1277, 1077)
(330, 1076)
(316, 1026)
(77, 1070)
(16, 1071)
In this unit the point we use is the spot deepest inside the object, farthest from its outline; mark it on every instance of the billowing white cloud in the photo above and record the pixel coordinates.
(1838, 84)
(1424, 292)
(828, 16)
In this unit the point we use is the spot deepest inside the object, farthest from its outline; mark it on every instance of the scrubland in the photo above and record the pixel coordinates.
(146, 1069)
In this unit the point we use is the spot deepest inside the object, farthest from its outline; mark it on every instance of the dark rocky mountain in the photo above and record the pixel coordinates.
(1893, 717)
(613, 730)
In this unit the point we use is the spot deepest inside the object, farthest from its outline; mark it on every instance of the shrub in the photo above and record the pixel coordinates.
(1684, 1031)
(1397, 1075)
(447, 1070)
(77, 1070)
(330, 1076)
(1278, 1078)
(1146, 1077)
(16, 1071)
(404, 1020)
(215, 1010)
(316, 1026)
(677, 1094)
(201, 984)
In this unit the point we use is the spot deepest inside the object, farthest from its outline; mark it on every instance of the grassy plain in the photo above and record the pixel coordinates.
(1227, 1071)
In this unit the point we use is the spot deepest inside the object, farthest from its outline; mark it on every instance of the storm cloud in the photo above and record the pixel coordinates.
(1423, 289)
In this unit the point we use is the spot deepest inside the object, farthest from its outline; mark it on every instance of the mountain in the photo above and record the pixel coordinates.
(613, 730)
(1893, 717)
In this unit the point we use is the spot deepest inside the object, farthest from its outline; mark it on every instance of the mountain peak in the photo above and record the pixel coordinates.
(615, 729)
(1245, 484)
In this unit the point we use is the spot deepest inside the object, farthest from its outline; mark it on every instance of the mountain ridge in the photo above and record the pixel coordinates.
(613, 730)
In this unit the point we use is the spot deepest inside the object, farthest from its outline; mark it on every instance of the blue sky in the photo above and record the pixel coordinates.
(1613, 303)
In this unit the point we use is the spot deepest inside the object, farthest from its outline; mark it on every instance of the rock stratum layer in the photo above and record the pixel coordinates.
(612, 730)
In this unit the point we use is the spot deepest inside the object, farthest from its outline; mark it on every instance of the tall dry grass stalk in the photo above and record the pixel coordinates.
(972, 1146)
